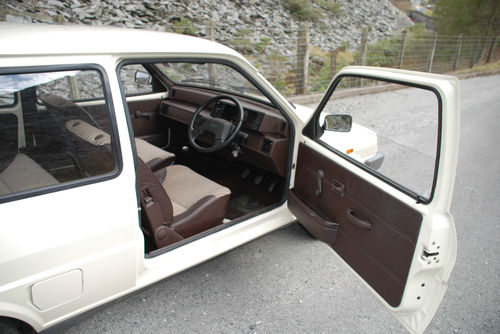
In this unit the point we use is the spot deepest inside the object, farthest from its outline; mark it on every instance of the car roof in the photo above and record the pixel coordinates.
(51, 39)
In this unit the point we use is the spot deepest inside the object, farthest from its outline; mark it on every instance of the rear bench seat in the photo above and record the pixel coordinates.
(152, 155)
(23, 173)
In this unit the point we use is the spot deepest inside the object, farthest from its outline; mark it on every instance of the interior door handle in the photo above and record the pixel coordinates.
(338, 187)
(358, 222)
(140, 114)
(319, 178)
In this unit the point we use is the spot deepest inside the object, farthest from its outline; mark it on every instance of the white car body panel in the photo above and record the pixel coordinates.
(360, 142)
(105, 245)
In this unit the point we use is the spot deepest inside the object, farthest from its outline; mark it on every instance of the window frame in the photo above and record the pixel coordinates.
(313, 130)
(115, 148)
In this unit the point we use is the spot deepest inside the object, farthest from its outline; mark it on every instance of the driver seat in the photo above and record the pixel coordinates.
(179, 203)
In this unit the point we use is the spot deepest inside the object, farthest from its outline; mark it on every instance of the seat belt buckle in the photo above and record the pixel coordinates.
(148, 200)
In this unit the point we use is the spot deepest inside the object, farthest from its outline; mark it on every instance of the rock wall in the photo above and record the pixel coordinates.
(236, 22)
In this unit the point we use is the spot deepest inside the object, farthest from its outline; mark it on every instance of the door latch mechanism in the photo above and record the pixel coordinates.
(429, 256)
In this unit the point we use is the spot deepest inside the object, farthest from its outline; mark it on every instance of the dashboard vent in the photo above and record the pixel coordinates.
(267, 146)
(163, 109)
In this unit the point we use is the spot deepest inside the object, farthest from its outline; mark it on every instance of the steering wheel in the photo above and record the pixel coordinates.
(222, 130)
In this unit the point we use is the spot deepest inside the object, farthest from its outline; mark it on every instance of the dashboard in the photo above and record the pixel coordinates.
(252, 119)
(266, 142)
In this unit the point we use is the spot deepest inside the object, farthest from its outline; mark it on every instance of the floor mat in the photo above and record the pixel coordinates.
(243, 205)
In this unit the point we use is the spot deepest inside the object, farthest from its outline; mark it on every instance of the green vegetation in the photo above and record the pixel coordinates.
(281, 78)
(330, 6)
(303, 10)
(183, 25)
(262, 45)
(312, 10)
(468, 17)
(491, 67)
(241, 41)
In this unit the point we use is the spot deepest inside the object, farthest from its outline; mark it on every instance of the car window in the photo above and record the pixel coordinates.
(136, 80)
(7, 100)
(211, 75)
(55, 131)
(74, 85)
(394, 130)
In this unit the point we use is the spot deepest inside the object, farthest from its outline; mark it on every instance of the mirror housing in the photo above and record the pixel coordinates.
(338, 123)
(143, 78)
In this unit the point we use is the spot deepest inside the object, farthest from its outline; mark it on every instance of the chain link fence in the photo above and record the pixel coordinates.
(295, 66)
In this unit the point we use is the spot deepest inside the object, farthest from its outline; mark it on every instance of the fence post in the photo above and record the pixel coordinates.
(474, 53)
(457, 55)
(333, 62)
(302, 60)
(212, 73)
(402, 49)
(490, 51)
(74, 88)
(363, 45)
(433, 52)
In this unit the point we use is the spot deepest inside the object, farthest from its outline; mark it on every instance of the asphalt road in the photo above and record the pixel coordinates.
(287, 282)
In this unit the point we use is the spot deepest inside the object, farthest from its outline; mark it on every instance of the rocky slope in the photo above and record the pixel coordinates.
(239, 23)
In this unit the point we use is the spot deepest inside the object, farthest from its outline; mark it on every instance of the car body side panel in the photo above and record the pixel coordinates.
(98, 241)
(92, 229)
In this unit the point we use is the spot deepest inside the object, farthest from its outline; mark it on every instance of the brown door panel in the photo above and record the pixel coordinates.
(145, 117)
(376, 233)
(322, 229)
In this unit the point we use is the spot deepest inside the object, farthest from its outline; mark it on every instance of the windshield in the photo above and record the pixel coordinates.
(211, 75)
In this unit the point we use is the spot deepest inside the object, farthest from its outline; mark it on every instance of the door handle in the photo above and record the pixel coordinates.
(140, 114)
(338, 187)
(364, 224)
(319, 178)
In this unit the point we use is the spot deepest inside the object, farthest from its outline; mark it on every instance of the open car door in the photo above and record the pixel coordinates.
(390, 223)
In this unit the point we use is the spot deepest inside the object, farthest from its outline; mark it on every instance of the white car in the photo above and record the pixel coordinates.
(128, 156)
(356, 140)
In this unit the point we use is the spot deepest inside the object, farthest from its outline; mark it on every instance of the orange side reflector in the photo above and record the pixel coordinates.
(349, 151)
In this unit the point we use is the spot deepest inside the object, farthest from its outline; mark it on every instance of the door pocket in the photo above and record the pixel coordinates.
(319, 227)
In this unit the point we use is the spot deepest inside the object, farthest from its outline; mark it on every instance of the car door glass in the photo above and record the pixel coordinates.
(7, 100)
(394, 130)
(57, 130)
(74, 85)
(136, 80)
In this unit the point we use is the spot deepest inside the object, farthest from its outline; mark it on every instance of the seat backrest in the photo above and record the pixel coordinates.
(157, 206)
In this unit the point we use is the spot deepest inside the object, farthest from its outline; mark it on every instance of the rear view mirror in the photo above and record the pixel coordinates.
(142, 78)
(338, 123)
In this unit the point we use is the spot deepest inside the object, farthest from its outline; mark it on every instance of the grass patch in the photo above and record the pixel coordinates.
(303, 10)
(491, 67)
(183, 25)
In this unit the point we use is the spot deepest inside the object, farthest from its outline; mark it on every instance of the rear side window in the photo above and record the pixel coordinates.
(7, 100)
(57, 129)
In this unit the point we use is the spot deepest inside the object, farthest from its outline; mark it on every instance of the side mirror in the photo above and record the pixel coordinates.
(142, 78)
(338, 123)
